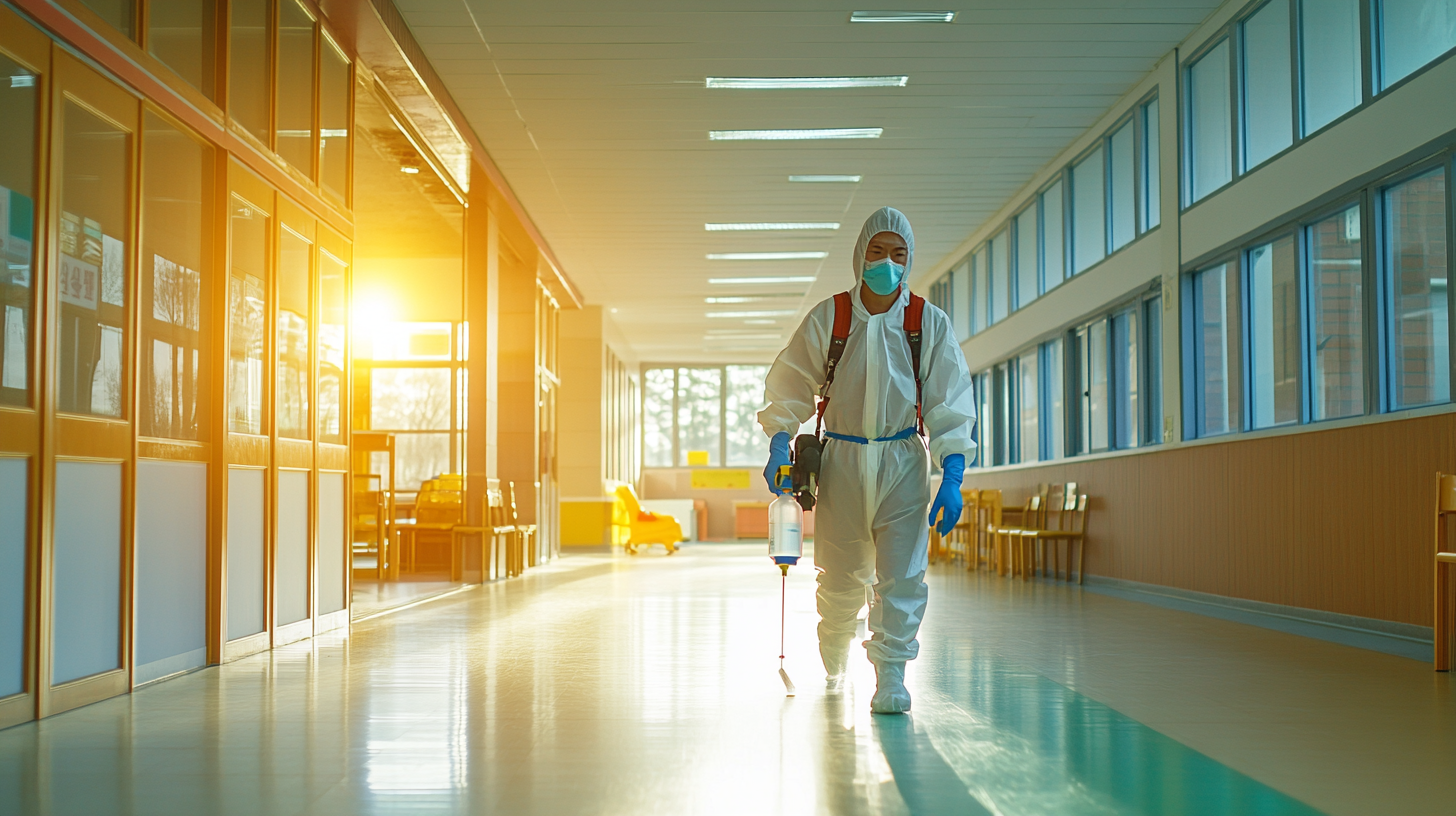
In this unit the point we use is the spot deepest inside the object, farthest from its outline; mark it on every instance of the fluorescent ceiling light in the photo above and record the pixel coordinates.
(760, 322)
(794, 135)
(764, 226)
(754, 281)
(22, 81)
(740, 337)
(757, 313)
(410, 170)
(902, 16)
(792, 83)
(827, 179)
(752, 298)
(766, 256)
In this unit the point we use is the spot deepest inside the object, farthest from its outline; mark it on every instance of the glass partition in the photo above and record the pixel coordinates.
(335, 90)
(293, 117)
(1216, 350)
(247, 297)
(250, 68)
(1027, 262)
(182, 34)
(94, 266)
(333, 326)
(18, 150)
(1028, 407)
(294, 253)
(1268, 113)
(1122, 218)
(1000, 251)
(1053, 251)
(176, 197)
(1089, 211)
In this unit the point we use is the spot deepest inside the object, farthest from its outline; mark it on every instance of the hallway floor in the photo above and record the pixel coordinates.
(604, 684)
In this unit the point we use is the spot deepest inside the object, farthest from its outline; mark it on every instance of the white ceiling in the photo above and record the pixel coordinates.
(597, 114)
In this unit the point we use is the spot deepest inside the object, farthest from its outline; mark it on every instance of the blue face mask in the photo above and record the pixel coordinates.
(883, 276)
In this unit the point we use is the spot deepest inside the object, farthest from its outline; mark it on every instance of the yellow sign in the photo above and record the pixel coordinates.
(721, 479)
(697, 458)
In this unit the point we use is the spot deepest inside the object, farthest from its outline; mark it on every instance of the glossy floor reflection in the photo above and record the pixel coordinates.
(614, 685)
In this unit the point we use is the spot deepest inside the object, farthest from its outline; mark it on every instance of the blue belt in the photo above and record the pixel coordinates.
(860, 440)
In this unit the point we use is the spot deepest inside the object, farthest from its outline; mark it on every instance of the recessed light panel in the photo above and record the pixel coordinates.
(794, 135)
(804, 83)
(765, 281)
(766, 226)
(766, 256)
(902, 16)
(826, 179)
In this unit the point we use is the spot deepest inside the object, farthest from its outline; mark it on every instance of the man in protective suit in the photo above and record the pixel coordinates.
(871, 523)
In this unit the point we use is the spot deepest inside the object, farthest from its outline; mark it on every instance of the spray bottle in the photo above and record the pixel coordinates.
(785, 547)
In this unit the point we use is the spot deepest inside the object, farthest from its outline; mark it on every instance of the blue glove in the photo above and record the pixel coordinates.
(778, 456)
(949, 496)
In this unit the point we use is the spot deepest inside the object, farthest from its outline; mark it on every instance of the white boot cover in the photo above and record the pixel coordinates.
(890, 694)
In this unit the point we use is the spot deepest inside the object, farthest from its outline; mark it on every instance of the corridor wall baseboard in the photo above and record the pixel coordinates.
(1391, 637)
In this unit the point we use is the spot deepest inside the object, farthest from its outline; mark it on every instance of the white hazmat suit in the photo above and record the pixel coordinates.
(871, 523)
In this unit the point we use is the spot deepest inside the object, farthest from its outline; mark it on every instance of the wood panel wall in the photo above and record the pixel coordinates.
(1337, 520)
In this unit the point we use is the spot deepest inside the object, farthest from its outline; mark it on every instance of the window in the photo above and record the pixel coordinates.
(1053, 408)
(18, 107)
(1092, 378)
(294, 253)
(699, 415)
(1053, 249)
(1411, 34)
(1001, 386)
(250, 68)
(703, 416)
(247, 287)
(985, 420)
(1000, 250)
(1153, 370)
(1274, 358)
(1027, 262)
(182, 34)
(1329, 57)
(1209, 160)
(1124, 187)
(1126, 379)
(1089, 204)
(1028, 407)
(1151, 170)
(335, 90)
(95, 267)
(1214, 326)
(960, 317)
(1268, 116)
(659, 430)
(293, 117)
(175, 282)
(744, 398)
(980, 291)
(1336, 305)
(1415, 263)
(942, 295)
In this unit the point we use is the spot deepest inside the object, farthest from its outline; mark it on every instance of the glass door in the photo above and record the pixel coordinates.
(24, 54)
(89, 356)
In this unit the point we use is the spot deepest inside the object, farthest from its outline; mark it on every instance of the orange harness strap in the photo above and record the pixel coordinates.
(843, 312)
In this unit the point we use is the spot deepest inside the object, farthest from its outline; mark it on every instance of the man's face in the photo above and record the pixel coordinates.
(886, 245)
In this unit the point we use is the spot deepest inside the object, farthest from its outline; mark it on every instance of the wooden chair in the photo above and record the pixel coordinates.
(1445, 559)
(1020, 538)
(502, 534)
(1072, 529)
(369, 523)
(985, 546)
(525, 534)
